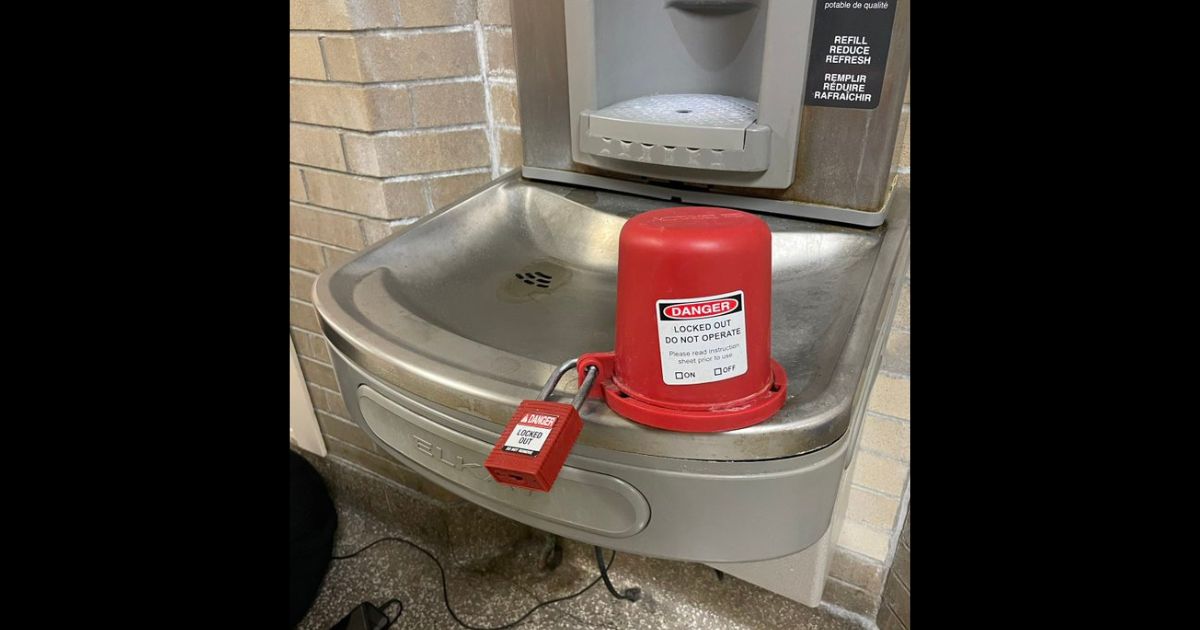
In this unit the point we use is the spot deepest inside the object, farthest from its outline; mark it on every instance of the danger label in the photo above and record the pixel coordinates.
(701, 340)
(528, 437)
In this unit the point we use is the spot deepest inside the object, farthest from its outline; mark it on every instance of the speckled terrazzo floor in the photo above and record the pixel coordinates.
(495, 574)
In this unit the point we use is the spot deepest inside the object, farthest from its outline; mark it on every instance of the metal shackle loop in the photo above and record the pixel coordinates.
(557, 376)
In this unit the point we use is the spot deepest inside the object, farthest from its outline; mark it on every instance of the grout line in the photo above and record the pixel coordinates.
(310, 241)
(837, 611)
(391, 132)
(900, 516)
(484, 70)
(387, 30)
(878, 493)
(402, 83)
(303, 184)
(303, 272)
(324, 60)
(888, 416)
(881, 492)
(419, 131)
(861, 557)
(345, 154)
(416, 177)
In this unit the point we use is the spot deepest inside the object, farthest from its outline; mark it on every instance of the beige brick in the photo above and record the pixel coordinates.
(879, 473)
(300, 341)
(889, 395)
(506, 109)
(448, 104)
(400, 57)
(860, 539)
(902, 317)
(336, 256)
(500, 53)
(365, 195)
(896, 353)
(421, 152)
(304, 58)
(303, 315)
(414, 13)
(368, 108)
(446, 190)
(304, 255)
(317, 373)
(296, 185)
(511, 152)
(497, 12)
(904, 158)
(343, 15)
(326, 227)
(373, 461)
(333, 403)
(849, 597)
(885, 435)
(316, 146)
(856, 570)
(342, 429)
(871, 509)
(314, 346)
(301, 285)
(376, 230)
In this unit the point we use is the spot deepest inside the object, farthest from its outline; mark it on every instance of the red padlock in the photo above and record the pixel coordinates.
(534, 446)
(693, 338)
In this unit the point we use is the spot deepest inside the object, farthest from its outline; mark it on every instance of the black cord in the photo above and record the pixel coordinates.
(631, 594)
(446, 591)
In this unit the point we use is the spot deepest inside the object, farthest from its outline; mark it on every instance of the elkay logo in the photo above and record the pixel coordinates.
(696, 310)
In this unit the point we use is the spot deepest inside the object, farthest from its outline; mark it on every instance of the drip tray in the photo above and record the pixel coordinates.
(474, 307)
(707, 131)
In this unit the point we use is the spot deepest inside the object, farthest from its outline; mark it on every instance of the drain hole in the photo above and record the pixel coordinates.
(544, 275)
(527, 281)
(683, 111)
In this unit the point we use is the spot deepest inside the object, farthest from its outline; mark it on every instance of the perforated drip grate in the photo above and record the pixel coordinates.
(699, 110)
(536, 278)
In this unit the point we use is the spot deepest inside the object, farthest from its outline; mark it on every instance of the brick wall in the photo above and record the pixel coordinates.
(399, 107)
(878, 501)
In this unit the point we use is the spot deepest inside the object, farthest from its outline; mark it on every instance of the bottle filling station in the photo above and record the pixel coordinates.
(707, 233)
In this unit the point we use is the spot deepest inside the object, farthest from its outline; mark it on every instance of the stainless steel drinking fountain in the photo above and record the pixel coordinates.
(440, 331)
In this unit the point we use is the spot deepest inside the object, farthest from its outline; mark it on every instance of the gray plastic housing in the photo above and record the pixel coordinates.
(660, 88)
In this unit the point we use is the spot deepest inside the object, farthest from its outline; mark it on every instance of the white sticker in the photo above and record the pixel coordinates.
(701, 340)
(530, 434)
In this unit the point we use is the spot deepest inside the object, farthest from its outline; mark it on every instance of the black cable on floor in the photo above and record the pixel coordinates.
(630, 594)
(446, 590)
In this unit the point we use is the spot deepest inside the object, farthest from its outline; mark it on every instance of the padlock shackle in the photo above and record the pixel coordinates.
(552, 383)
(585, 387)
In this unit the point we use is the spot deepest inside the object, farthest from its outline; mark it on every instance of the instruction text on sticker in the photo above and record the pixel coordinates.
(702, 339)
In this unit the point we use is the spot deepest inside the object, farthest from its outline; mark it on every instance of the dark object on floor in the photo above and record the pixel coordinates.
(365, 617)
(312, 522)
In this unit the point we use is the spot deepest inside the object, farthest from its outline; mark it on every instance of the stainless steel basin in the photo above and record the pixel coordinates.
(472, 307)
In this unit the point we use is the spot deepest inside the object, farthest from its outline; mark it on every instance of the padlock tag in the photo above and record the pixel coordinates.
(530, 433)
